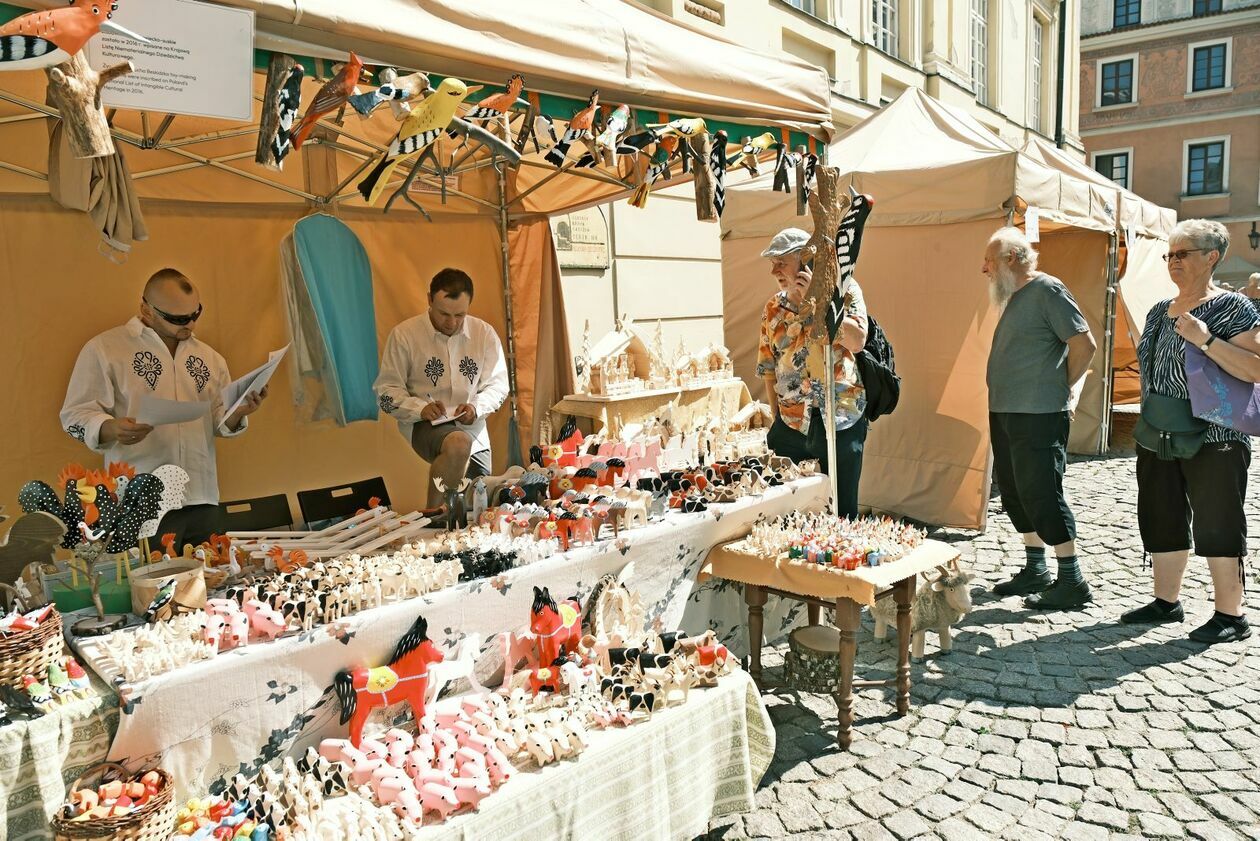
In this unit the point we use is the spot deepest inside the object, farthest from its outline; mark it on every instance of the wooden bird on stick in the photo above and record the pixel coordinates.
(75, 89)
(334, 94)
(827, 205)
(42, 39)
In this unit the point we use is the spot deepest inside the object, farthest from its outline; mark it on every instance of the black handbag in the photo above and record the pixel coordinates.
(1167, 426)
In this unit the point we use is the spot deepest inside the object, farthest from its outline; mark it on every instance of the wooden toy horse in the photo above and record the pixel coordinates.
(406, 678)
(558, 628)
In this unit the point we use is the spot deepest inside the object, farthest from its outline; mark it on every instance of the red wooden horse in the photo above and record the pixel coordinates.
(406, 678)
(558, 628)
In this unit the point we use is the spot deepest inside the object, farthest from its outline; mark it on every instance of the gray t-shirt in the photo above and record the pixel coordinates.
(1028, 362)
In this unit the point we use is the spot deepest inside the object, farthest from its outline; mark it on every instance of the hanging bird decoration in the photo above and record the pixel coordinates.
(165, 595)
(579, 128)
(848, 246)
(544, 133)
(495, 105)
(334, 94)
(717, 169)
(397, 90)
(421, 128)
(92, 499)
(785, 161)
(658, 168)
(684, 127)
(607, 140)
(288, 102)
(44, 39)
(750, 149)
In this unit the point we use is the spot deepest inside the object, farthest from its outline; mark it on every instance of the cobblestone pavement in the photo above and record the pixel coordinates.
(1036, 726)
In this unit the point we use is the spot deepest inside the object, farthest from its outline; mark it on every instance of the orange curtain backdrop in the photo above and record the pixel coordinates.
(543, 370)
(59, 293)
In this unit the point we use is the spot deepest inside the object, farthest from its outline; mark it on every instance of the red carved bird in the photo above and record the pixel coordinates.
(331, 96)
(579, 127)
(47, 38)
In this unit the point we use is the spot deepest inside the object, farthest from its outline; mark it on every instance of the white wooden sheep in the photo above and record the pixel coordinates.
(941, 601)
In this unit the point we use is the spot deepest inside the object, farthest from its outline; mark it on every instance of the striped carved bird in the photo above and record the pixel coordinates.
(334, 94)
(43, 39)
(418, 132)
(750, 149)
(394, 89)
(579, 127)
(607, 140)
(288, 101)
(496, 103)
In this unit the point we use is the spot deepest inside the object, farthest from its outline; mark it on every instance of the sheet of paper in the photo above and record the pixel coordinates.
(236, 390)
(158, 412)
(445, 419)
(1032, 224)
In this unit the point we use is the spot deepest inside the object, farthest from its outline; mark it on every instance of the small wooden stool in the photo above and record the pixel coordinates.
(812, 663)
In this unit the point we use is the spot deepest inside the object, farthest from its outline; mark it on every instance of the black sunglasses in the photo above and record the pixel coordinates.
(177, 320)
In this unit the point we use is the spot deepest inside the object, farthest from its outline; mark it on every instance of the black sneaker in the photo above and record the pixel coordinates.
(1222, 628)
(1154, 614)
(1023, 583)
(1061, 597)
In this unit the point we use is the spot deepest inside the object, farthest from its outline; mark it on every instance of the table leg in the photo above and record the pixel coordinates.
(755, 597)
(848, 618)
(813, 613)
(903, 593)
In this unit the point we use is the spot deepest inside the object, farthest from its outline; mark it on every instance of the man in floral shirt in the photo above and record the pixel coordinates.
(793, 371)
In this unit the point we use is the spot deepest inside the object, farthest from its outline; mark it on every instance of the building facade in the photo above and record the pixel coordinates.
(999, 60)
(1170, 108)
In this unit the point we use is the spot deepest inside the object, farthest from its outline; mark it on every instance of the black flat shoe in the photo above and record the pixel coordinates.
(1061, 597)
(1023, 583)
(1221, 629)
(1154, 614)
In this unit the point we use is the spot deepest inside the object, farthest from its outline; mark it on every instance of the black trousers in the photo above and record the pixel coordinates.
(1029, 460)
(191, 524)
(1202, 495)
(786, 441)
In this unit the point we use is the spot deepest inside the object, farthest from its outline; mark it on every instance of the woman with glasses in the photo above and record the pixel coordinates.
(155, 354)
(1196, 478)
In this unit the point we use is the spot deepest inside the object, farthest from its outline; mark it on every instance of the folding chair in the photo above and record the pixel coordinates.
(327, 505)
(259, 514)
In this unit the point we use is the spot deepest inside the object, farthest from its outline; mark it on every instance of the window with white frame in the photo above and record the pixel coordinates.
(884, 25)
(1126, 13)
(806, 6)
(1208, 66)
(1206, 7)
(1117, 81)
(980, 49)
(1116, 164)
(1038, 45)
(1207, 166)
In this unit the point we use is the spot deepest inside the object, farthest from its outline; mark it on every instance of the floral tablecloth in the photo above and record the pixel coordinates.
(247, 707)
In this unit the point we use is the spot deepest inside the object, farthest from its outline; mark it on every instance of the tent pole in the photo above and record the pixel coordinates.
(829, 418)
(1109, 336)
(514, 434)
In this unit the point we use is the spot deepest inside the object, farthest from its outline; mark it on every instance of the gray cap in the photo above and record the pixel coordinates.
(785, 242)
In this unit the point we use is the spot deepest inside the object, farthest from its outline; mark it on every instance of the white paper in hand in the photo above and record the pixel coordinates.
(234, 393)
(158, 412)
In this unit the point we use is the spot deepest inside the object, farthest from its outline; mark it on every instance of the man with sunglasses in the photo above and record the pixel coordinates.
(156, 353)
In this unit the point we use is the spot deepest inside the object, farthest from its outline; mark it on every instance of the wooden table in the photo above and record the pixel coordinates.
(846, 592)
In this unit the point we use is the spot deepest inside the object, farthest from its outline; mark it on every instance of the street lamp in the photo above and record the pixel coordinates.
(1254, 237)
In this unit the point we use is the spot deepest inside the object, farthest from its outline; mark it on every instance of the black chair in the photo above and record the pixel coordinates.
(263, 513)
(324, 506)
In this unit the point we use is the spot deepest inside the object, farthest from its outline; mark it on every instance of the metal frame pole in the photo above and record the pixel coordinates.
(1109, 336)
(510, 349)
(829, 414)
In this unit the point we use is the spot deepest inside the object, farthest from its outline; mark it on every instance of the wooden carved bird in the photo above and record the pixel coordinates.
(394, 89)
(579, 127)
(658, 168)
(44, 39)
(165, 595)
(606, 142)
(684, 127)
(288, 101)
(751, 148)
(334, 94)
(717, 171)
(421, 128)
(38, 496)
(495, 104)
(38, 692)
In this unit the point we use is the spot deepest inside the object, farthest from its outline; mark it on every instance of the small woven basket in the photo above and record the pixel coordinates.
(154, 821)
(30, 652)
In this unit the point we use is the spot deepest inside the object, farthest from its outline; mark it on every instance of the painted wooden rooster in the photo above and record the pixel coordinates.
(47, 38)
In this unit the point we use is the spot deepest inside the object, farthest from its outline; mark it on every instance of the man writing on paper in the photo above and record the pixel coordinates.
(156, 355)
(442, 374)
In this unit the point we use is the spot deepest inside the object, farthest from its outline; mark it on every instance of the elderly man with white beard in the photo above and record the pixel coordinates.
(1041, 351)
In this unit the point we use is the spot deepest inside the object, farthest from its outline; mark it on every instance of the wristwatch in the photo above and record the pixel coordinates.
(1203, 347)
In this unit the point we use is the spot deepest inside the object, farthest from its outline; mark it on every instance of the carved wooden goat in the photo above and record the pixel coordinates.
(453, 502)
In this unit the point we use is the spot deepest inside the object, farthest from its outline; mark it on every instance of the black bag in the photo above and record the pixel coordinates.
(878, 369)
(1167, 425)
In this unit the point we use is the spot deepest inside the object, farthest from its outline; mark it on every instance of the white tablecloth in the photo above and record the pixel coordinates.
(247, 707)
(664, 778)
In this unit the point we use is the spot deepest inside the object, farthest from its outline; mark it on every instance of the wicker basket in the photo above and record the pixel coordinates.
(30, 652)
(154, 821)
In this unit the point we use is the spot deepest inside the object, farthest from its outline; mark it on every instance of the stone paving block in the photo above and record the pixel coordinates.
(1155, 780)
(1076, 776)
(1158, 826)
(1025, 790)
(801, 772)
(924, 780)
(1211, 831)
(938, 807)
(958, 755)
(1059, 794)
(988, 819)
(1225, 807)
(1076, 755)
(871, 831)
(1042, 770)
(833, 763)
(1004, 766)
(906, 825)
(763, 824)
(941, 766)
(874, 804)
(1098, 794)
(1005, 803)
(842, 815)
(1183, 807)
(956, 829)
(965, 792)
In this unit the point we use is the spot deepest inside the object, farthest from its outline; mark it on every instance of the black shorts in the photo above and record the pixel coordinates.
(1202, 496)
(1029, 460)
(426, 440)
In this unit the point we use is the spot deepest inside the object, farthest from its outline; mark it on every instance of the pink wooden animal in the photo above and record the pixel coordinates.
(399, 743)
(238, 630)
(498, 766)
(438, 798)
(268, 621)
(471, 791)
(213, 630)
(409, 806)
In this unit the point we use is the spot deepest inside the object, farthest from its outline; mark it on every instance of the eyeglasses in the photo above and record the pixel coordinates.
(1180, 255)
(177, 320)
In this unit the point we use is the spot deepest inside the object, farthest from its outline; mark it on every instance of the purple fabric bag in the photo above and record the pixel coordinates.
(1219, 397)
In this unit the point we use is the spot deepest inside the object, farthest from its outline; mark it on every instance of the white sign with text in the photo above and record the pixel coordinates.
(199, 59)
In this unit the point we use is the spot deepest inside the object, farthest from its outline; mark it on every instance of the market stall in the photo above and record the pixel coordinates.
(941, 183)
